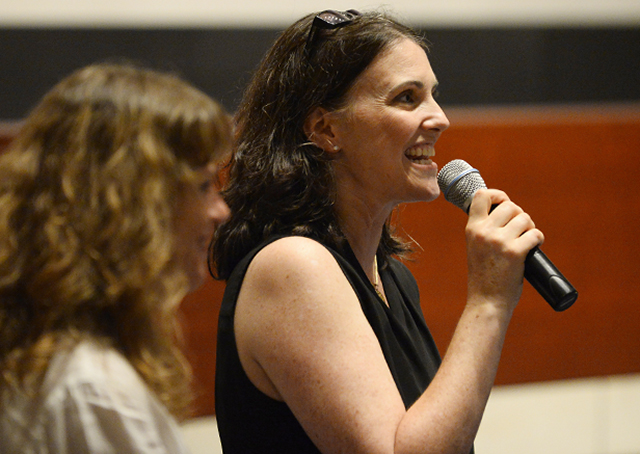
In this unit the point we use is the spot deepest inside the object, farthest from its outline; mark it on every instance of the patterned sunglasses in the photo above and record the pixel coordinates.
(329, 20)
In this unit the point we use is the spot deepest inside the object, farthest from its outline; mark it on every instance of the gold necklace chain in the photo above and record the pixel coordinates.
(376, 275)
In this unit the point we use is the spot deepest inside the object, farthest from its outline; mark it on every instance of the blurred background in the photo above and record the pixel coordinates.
(543, 98)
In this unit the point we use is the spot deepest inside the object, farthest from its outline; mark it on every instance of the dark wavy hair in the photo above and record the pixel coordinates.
(279, 182)
(88, 195)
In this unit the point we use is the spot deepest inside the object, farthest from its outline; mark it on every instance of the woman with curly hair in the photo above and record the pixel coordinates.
(108, 201)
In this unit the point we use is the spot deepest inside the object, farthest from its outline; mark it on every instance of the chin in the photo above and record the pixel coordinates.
(432, 196)
(427, 193)
(196, 276)
(433, 189)
(195, 282)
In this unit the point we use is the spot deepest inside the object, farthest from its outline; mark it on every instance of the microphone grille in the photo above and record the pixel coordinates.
(458, 182)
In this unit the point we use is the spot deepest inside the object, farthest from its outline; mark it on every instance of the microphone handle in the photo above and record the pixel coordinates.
(549, 281)
(543, 276)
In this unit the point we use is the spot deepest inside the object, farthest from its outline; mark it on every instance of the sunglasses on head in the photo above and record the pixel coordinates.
(329, 20)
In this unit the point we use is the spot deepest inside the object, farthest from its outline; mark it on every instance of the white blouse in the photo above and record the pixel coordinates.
(93, 401)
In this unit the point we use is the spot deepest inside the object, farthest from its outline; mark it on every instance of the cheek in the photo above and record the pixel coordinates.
(387, 128)
(188, 224)
(368, 135)
(190, 213)
(191, 255)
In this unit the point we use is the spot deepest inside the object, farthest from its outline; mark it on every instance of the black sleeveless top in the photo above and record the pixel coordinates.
(251, 422)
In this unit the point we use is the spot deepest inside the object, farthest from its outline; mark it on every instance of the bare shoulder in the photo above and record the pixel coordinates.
(299, 253)
(289, 264)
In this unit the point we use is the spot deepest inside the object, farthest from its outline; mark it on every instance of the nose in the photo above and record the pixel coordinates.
(219, 210)
(435, 118)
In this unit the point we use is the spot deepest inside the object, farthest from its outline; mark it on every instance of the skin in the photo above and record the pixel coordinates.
(200, 210)
(301, 334)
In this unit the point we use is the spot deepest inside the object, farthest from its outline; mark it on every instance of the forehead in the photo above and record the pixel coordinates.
(402, 62)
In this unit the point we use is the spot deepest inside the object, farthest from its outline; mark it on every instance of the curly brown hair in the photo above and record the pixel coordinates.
(88, 191)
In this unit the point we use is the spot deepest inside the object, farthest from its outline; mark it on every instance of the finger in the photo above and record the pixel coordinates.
(484, 200)
(530, 239)
(518, 222)
(504, 213)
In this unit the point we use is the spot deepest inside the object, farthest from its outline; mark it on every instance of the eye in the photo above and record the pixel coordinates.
(208, 180)
(210, 184)
(406, 97)
(205, 186)
(435, 93)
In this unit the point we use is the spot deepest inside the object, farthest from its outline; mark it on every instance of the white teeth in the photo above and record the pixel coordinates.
(426, 151)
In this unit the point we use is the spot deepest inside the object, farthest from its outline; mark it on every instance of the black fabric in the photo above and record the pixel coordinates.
(250, 422)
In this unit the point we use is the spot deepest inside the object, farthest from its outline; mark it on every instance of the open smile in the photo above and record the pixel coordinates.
(421, 154)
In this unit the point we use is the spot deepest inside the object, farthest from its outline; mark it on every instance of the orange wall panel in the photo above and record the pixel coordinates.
(200, 325)
(575, 171)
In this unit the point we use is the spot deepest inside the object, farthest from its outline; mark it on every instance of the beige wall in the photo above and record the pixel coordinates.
(281, 12)
(589, 416)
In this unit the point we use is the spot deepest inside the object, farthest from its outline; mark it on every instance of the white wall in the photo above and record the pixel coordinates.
(282, 12)
(588, 416)
(201, 436)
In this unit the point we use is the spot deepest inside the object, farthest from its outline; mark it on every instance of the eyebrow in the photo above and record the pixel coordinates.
(410, 83)
(415, 83)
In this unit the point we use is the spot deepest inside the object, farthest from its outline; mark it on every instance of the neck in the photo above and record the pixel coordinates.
(362, 227)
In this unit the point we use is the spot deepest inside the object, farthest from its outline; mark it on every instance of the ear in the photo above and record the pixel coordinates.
(320, 130)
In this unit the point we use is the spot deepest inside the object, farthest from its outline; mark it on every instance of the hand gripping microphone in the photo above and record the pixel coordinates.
(458, 182)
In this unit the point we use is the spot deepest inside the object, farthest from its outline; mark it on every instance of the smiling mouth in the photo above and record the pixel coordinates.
(421, 154)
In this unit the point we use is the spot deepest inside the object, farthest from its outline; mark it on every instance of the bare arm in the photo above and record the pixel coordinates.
(302, 338)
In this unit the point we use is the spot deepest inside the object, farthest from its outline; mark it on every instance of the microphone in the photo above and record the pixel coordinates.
(458, 182)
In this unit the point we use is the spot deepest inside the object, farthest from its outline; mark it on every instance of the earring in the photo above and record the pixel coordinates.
(335, 147)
